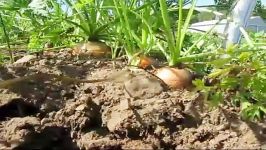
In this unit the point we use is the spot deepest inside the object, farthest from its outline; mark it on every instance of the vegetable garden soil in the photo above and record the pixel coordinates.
(50, 114)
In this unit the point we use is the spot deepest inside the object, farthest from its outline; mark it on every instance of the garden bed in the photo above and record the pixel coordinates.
(45, 114)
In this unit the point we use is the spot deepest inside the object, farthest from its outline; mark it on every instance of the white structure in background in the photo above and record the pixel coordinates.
(255, 23)
(240, 15)
(240, 18)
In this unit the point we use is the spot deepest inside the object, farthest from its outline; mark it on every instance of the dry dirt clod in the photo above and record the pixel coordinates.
(101, 144)
(25, 59)
(16, 128)
(137, 144)
(142, 114)
(143, 87)
(81, 107)
(120, 76)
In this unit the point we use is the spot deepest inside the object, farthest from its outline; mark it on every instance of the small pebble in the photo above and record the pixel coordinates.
(81, 107)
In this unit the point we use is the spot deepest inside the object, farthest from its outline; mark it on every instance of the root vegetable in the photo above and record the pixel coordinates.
(145, 62)
(175, 78)
(94, 49)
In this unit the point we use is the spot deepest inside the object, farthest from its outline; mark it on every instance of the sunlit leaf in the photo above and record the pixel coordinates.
(244, 56)
(245, 105)
(219, 63)
(219, 72)
(229, 82)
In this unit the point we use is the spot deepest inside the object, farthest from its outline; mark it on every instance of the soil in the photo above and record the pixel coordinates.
(138, 112)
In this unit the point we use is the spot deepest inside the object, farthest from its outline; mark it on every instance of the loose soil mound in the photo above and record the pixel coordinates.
(139, 113)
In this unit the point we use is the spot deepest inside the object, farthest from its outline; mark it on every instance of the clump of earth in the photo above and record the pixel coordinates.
(135, 113)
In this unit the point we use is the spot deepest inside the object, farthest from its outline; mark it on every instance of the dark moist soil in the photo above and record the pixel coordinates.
(138, 113)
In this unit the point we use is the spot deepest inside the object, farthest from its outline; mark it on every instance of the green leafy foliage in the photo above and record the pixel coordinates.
(137, 26)
(175, 41)
(240, 81)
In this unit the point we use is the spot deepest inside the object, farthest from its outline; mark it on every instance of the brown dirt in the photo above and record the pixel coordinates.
(139, 113)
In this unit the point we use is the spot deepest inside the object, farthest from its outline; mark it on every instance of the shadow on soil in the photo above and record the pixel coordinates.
(17, 108)
(49, 138)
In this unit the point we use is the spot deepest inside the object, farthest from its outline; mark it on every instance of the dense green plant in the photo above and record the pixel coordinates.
(175, 32)
(141, 30)
(204, 49)
(6, 37)
(137, 25)
(61, 22)
(175, 40)
(23, 18)
(90, 18)
(144, 31)
(8, 19)
(239, 77)
(133, 25)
